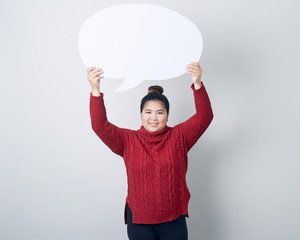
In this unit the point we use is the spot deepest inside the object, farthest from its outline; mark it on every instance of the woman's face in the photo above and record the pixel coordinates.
(154, 116)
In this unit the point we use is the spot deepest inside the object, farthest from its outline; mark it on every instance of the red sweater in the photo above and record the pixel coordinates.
(156, 163)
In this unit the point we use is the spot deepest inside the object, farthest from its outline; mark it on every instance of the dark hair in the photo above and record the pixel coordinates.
(155, 93)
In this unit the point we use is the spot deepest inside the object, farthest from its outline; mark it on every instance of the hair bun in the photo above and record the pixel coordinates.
(155, 89)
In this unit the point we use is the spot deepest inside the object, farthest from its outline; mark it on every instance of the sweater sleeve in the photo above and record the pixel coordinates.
(196, 125)
(111, 135)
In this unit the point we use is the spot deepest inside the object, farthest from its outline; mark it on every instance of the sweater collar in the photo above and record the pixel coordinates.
(153, 135)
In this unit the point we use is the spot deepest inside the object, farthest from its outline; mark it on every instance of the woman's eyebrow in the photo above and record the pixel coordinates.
(156, 110)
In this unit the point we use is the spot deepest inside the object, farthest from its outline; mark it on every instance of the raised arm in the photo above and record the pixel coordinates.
(196, 125)
(111, 135)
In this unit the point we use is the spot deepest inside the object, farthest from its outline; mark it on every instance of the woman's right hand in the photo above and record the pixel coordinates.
(93, 75)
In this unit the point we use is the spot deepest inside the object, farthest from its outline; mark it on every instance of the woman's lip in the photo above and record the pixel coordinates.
(153, 124)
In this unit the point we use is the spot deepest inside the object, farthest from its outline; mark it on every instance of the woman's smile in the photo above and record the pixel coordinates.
(153, 124)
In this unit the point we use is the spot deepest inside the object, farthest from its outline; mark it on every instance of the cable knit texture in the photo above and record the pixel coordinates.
(156, 163)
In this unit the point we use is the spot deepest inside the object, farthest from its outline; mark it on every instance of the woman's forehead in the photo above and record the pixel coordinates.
(154, 105)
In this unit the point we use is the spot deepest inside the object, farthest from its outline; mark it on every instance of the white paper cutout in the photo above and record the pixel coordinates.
(139, 42)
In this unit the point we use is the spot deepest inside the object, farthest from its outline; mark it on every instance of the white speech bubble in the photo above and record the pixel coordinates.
(139, 42)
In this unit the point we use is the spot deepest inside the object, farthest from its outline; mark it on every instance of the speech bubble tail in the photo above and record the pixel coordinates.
(128, 83)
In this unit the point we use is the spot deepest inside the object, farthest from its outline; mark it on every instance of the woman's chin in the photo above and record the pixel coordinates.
(154, 128)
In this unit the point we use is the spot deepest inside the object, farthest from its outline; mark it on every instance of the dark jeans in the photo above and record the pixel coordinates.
(173, 230)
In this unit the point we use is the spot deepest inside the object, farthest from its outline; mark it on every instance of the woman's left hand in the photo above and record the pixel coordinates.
(195, 72)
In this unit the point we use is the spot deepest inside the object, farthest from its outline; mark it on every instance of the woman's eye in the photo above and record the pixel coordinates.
(160, 113)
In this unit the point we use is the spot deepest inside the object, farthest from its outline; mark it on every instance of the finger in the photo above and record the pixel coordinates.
(191, 68)
(195, 66)
(189, 65)
(90, 69)
(98, 78)
(98, 73)
(95, 70)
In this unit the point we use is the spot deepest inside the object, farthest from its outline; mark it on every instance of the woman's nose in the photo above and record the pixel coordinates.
(153, 117)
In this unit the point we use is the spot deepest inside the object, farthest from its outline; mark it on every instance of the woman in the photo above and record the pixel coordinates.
(155, 157)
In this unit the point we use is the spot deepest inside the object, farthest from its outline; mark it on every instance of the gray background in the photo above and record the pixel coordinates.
(59, 181)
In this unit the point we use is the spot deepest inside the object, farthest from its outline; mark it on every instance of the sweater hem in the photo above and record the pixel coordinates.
(164, 217)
